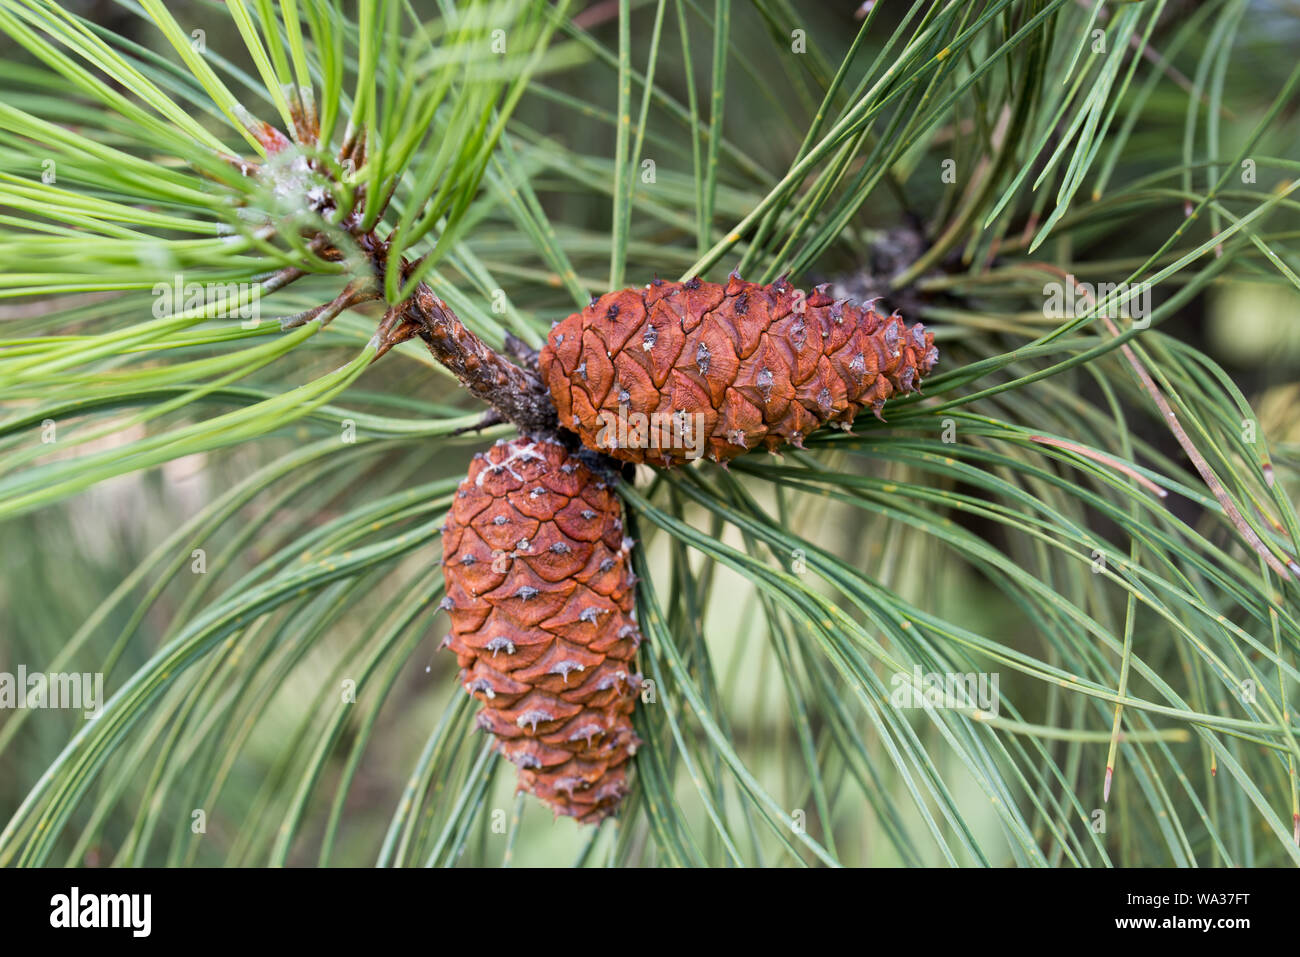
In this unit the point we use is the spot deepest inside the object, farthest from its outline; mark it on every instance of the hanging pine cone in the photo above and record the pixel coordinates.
(678, 369)
(540, 597)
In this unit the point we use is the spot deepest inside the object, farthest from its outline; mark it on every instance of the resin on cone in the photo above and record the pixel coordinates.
(731, 367)
(540, 597)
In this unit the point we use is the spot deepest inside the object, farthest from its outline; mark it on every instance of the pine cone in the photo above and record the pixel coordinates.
(719, 370)
(540, 597)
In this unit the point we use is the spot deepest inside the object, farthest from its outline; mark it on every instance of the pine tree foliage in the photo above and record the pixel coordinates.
(215, 491)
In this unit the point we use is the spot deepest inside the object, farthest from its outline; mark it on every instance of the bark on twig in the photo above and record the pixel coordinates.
(516, 394)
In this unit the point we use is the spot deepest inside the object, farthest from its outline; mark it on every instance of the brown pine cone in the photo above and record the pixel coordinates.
(663, 374)
(540, 597)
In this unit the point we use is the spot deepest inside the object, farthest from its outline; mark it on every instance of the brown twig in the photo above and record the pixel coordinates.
(516, 394)
(353, 294)
(1198, 460)
(1211, 480)
(1102, 458)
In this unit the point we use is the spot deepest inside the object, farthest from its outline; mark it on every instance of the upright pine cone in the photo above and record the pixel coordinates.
(731, 366)
(540, 597)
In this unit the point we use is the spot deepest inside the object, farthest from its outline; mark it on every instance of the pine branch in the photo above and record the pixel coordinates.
(517, 395)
